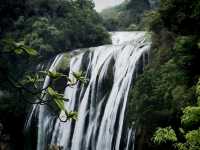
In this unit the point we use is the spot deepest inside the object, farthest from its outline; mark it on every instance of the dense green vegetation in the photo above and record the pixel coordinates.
(128, 15)
(32, 32)
(165, 94)
(52, 26)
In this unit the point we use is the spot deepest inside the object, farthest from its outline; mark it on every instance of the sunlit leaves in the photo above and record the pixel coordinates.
(192, 141)
(77, 77)
(57, 98)
(54, 74)
(72, 115)
(193, 138)
(164, 135)
(80, 77)
(181, 146)
(191, 116)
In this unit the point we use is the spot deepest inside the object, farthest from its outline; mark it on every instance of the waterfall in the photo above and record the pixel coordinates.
(101, 103)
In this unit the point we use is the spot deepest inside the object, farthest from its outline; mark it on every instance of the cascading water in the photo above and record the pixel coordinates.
(101, 103)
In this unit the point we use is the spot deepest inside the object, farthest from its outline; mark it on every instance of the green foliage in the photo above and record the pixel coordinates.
(48, 27)
(191, 116)
(166, 89)
(162, 135)
(59, 101)
(54, 74)
(54, 26)
(181, 146)
(151, 21)
(180, 16)
(58, 98)
(183, 49)
(31, 79)
(31, 33)
(72, 115)
(18, 47)
(191, 122)
(128, 14)
(79, 77)
(114, 17)
(158, 93)
(193, 139)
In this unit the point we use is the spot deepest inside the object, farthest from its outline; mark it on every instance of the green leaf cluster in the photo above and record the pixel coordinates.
(58, 98)
(162, 135)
